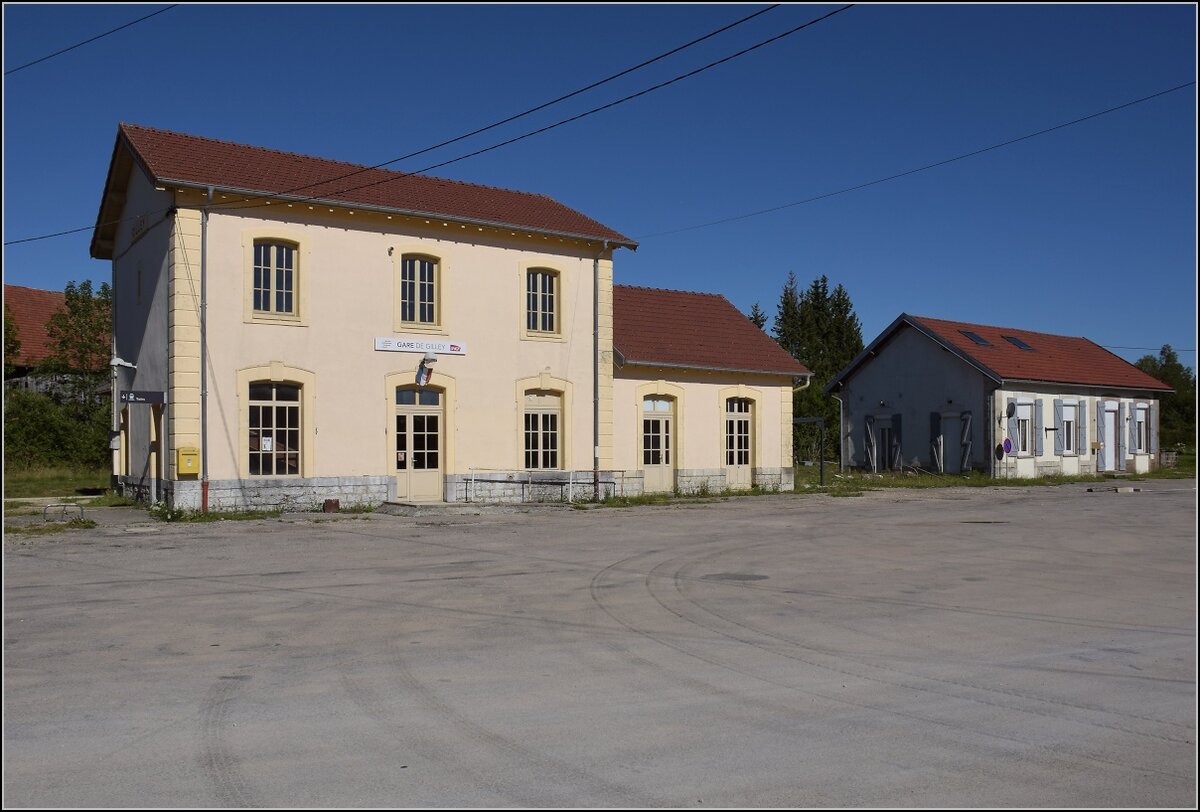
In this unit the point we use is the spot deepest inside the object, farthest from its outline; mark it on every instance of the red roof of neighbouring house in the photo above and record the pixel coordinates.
(1045, 358)
(172, 158)
(31, 309)
(1050, 358)
(674, 328)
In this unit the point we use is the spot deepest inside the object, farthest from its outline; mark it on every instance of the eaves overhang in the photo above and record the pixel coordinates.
(345, 204)
(664, 365)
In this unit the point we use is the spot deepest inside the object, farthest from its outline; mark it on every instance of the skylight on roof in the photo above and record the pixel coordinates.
(976, 337)
(1016, 342)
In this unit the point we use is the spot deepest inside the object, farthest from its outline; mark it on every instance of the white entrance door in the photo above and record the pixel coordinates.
(1111, 441)
(951, 444)
(417, 438)
(658, 419)
(739, 418)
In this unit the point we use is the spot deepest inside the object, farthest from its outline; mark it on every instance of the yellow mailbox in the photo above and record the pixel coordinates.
(187, 459)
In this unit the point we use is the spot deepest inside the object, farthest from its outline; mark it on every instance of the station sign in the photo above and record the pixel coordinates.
(441, 346)
(141, 396)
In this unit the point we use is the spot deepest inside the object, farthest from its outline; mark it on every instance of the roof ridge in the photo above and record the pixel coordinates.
(672, 290)
(357, 166)
(998, 327)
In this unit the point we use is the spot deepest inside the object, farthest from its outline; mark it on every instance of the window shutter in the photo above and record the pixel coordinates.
(1012, 426)
(1059, 441)
(1081, 427)
(1103, 455)
(937, 443)
(869, 443)
(1154, 427)
(1038, 433)
(966, 442)
(897, 459)
(1119, 440)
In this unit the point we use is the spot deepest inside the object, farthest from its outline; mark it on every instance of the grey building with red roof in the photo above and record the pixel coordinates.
(950, 397)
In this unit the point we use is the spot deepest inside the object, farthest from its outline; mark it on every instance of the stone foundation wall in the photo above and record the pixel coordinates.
(301, 494)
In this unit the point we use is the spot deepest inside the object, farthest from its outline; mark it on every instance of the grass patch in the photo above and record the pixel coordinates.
(25, 482)
(1184, 468)
(50, 528)
(854, 483)
(168, 514)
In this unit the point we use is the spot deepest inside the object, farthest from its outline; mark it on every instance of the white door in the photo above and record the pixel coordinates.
(951, 444)
(417, 439)
(739, 419)
(1111, 441)
(658, 454)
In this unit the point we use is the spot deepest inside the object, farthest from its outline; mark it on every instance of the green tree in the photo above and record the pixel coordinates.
(12, 343)
(1178, 412)
(758, 317)
(80, 343)
(820, 330)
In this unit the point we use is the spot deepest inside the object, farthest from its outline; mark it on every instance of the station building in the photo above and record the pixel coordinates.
(290, 329)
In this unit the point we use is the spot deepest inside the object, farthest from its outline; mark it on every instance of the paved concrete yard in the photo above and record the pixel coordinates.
(974, 647)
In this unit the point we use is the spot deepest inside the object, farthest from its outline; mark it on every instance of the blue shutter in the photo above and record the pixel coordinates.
(1059, 441)
(897, 459)
(1038, 434)
(1154, 427)
(1104, 454)
(1119, 440)
(1012, 427)
(966, 442)
(869, 443)
(937, 443)
(1081, 447)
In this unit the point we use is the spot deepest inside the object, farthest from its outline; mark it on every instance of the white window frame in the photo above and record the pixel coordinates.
(426, 301)
(1141, 416)
(1070, 428)
(543, 302)
(274, 433)
(542, 422)
(1025, 441)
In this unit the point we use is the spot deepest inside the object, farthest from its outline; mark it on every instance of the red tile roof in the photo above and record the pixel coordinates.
(31, 309)
(1051, 359)
(694, 331)
(189, 160)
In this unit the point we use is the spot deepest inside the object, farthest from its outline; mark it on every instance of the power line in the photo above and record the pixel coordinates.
(92, 39)
(547, 128)
(1153, 349)
(539, 107)
(232, 205)
(921, 169)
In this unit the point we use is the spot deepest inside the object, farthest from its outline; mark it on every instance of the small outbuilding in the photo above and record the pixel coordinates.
(951, 397)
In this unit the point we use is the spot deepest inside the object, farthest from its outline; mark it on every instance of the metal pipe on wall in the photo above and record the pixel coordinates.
(204, 354)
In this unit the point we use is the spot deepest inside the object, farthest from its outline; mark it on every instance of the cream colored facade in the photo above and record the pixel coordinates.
(318, 398)
(699, 436)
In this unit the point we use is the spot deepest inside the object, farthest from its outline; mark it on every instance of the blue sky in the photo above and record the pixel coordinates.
(1088, 230)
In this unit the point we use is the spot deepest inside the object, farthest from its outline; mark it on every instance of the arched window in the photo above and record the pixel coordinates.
(543, 433)
(274, 429)
(419, 290)
(276, 271)
(542, 298)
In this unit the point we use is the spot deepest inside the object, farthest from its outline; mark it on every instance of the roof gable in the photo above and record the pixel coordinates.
(171, 158)
(31, 310)
(1044, 357)
(674, 328)
(1008, 354)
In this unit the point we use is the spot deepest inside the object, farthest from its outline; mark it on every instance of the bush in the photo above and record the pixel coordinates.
(40, 431)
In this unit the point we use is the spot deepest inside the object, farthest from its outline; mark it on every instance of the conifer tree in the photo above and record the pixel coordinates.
(758, 317)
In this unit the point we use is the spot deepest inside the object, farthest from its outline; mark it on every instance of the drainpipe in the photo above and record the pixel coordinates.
(596, 373)
(841, 433)
(204, 354)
